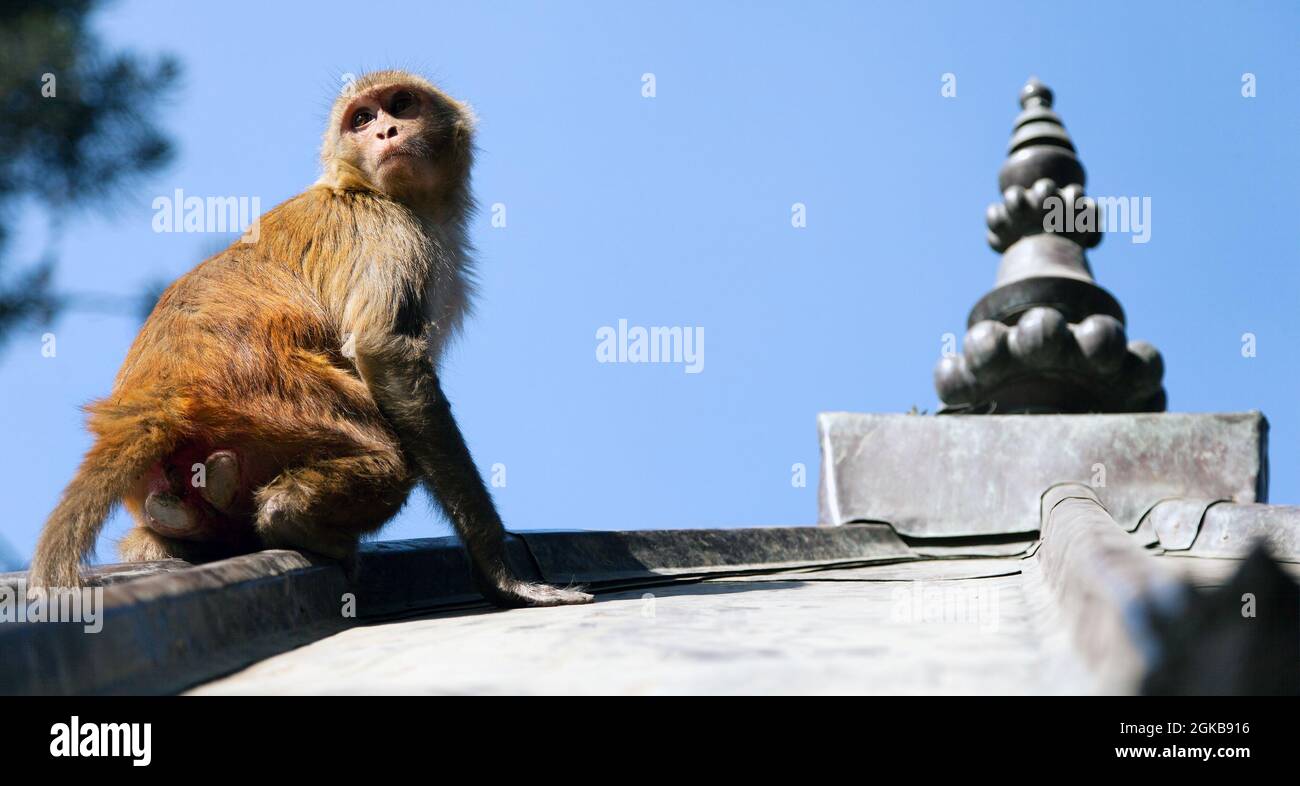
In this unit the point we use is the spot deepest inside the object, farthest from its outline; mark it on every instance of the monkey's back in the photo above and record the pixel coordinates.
(225, 329)
(239, 354)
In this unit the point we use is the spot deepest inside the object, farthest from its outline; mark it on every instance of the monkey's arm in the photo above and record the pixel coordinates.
(409, 394)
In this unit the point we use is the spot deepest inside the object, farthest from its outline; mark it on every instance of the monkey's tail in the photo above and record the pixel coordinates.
(127, 445)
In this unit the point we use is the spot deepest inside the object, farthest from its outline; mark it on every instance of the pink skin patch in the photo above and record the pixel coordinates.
(176, 475)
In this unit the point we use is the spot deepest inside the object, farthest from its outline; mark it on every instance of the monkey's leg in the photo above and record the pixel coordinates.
(434, 442)
(326, 506)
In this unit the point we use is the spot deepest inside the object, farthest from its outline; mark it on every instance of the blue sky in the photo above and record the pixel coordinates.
(675, 211)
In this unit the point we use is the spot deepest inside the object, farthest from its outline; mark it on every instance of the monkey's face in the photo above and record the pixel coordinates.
(408, 142)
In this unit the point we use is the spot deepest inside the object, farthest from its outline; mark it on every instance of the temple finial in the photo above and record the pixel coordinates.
(1035, 93)
(1047, 338)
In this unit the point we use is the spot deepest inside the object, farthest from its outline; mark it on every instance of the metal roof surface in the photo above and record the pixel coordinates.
(965, 626)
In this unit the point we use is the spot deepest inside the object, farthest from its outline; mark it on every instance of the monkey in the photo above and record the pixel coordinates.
(297, 376)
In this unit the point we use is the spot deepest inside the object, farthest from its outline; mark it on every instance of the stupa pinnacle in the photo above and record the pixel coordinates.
(1047, 338)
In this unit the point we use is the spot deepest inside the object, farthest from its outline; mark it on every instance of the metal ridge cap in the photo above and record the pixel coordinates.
(1105, 584)
(593, 556)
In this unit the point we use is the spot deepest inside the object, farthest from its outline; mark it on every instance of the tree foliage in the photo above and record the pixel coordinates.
(76, 131)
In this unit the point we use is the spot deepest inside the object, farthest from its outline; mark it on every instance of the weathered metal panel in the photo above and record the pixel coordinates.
(1227, 530)
(1176, 521)
(982, 475)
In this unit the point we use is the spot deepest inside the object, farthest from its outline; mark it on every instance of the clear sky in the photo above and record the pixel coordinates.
(676, 211)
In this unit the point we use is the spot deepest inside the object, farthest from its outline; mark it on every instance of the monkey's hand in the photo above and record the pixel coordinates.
(513, 593)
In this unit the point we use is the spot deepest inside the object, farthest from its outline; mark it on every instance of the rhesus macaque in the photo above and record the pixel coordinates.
(285, 393)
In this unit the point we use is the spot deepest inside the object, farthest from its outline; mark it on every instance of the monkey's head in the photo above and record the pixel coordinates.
(396, 134)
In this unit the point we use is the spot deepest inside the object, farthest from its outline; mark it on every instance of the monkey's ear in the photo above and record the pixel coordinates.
(463, 130)
(466, 119)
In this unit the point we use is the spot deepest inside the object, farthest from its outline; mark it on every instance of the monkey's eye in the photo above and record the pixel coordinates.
(362, 117)
(401, 102)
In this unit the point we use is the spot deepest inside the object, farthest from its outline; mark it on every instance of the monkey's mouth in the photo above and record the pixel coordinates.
(396, 153)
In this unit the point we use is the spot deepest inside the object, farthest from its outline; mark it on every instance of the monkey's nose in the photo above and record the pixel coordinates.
(389, 134)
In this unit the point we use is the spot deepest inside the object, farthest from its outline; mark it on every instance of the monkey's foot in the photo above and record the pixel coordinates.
(516, 594)
(169, 516)
(289, 518)
(221, 472)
